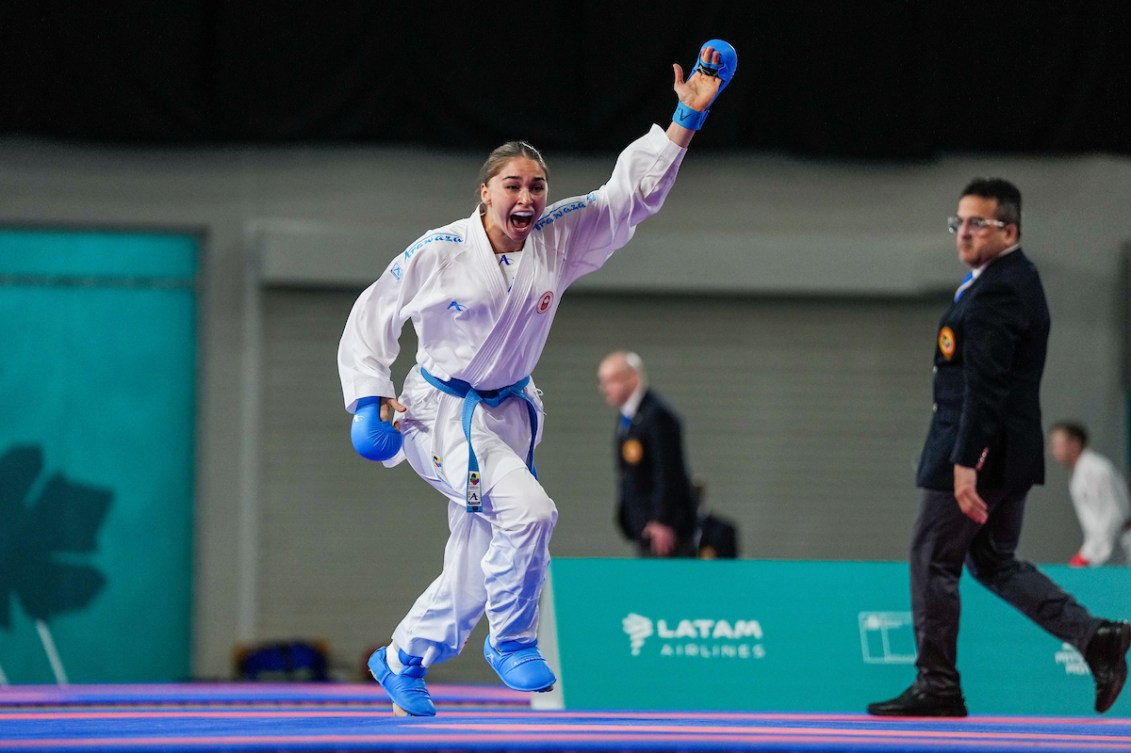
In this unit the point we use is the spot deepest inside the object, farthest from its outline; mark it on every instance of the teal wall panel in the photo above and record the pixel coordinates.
(97, 439)
(27, 252)
(801, 636)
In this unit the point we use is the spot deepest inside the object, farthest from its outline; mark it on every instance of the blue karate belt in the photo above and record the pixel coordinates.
(493, 398)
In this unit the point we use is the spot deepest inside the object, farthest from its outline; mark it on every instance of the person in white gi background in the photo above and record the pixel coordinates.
(1099, 494)
(481, 293)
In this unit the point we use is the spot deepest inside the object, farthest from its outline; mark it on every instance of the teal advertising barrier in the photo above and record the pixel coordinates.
(797, 636)
(97, 435)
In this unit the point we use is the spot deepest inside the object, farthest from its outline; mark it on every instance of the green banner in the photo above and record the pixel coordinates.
(798, 636)
(97, 435)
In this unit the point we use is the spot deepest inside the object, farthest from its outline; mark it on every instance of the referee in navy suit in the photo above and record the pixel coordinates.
(984, 450)
(655, 504)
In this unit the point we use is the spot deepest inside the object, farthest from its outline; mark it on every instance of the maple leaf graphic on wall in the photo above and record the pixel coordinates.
(46, 524)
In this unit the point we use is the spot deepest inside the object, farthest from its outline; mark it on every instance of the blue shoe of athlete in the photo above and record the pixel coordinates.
(406, 690)
(521, 666)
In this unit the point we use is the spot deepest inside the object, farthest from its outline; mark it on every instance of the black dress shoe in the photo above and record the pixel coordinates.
(1107, 658)
(915, 702)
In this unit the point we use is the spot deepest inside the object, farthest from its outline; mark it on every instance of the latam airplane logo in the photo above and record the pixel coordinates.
(701, 638)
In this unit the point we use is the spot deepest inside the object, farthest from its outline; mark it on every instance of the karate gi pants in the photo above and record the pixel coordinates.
(495, 560)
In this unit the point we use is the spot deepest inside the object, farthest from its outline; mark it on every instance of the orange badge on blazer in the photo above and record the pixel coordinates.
(947, 342)
(632, 451)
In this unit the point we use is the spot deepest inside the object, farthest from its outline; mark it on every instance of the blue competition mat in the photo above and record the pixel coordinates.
(314, 717)
(245, 692)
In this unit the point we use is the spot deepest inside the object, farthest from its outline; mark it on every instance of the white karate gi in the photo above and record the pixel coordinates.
(1099, 494)
(471, 328)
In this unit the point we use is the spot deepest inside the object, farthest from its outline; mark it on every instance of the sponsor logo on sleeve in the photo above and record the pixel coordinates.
(437, 237)
(556, 213)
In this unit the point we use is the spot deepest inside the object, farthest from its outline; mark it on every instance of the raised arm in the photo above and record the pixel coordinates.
(712, 72)
(591, 227)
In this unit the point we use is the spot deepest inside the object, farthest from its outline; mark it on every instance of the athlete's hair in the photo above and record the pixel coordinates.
(1073, 429)
(1008, 198)
(504, 154)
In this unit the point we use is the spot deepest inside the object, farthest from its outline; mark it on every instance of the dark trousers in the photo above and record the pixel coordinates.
(942, 540)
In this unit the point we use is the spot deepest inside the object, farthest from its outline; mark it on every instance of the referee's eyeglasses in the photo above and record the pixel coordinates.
(954, 224)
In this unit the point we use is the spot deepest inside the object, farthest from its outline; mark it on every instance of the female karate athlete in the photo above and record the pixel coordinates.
(481, 293)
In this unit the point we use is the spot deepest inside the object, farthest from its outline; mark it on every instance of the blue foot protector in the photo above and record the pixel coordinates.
(728, 62)
(407, 689)
(520, 665)
(373, 438)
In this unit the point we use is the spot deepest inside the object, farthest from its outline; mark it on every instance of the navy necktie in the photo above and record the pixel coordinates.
(625, 422)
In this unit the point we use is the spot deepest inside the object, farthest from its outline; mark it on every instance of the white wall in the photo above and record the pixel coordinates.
(750, 224)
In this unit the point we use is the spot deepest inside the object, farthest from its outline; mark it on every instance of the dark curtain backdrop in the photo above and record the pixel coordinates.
(879, 80)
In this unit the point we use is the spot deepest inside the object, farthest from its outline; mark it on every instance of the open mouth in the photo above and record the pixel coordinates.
(522, 220)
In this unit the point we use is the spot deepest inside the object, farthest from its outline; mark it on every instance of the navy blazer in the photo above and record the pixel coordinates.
(652, 476)
(989, 357)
